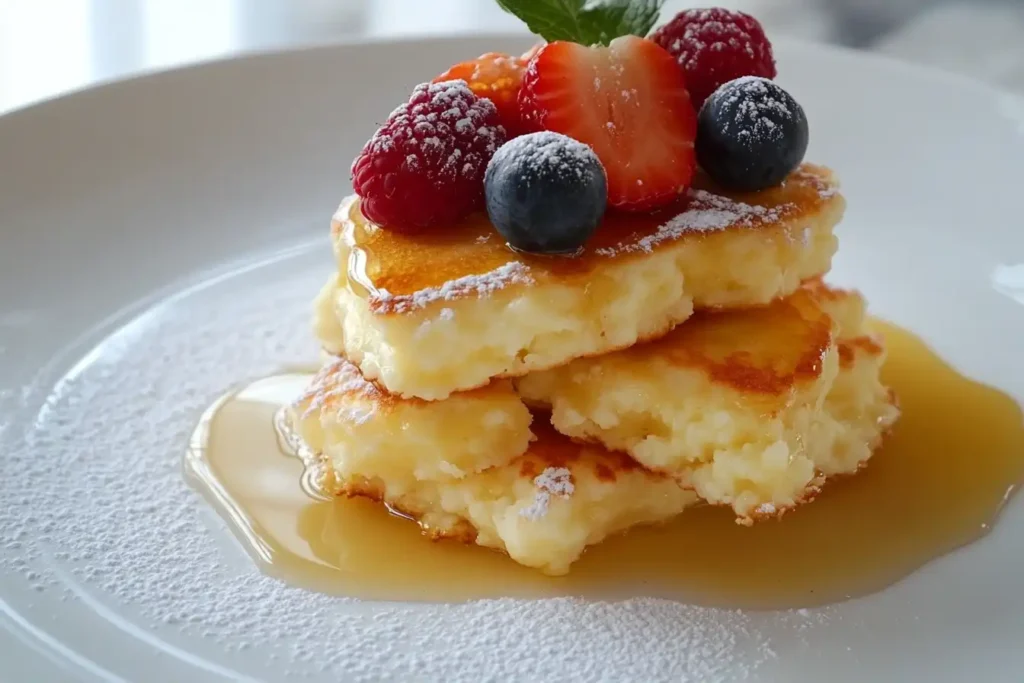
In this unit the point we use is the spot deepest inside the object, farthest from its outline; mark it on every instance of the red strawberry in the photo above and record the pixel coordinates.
(628, 101)
(496, 76)
(532, 52)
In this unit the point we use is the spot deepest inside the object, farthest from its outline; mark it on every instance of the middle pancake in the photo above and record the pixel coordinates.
(753, 409)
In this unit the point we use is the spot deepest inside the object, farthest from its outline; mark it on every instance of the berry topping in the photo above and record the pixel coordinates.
(425, 166)
(532, 52)
(751, 134)
(497, 77)
(546, 192)
(628, 102)
(715, 46)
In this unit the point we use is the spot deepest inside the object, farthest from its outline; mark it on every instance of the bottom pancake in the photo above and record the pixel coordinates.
(542, 509)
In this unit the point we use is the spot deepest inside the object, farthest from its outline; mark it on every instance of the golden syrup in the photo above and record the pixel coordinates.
(390, 260)
(937, 484)
(799, 335)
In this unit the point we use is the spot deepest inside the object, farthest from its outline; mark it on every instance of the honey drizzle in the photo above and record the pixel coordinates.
(937, 484)
(376, 260)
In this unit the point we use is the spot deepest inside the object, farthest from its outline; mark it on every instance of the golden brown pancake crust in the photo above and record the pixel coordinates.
(340, 383)
(551, 449)
(402, 264)
(764, 350)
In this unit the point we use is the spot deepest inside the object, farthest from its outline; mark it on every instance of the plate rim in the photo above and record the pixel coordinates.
(783, 43)
(852, 56)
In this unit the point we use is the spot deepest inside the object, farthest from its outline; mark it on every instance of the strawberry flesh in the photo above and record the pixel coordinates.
(629, 102)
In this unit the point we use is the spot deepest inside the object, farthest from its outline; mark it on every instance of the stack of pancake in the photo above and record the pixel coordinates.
(536, 404)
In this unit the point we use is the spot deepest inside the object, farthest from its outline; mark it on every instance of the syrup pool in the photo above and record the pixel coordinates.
(938, 483)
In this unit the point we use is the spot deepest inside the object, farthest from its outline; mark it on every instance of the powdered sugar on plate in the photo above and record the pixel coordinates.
(485, 284)
(98, 519)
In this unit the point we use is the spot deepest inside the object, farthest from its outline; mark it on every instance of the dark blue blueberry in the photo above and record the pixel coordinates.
(546, 193)
(751, 134)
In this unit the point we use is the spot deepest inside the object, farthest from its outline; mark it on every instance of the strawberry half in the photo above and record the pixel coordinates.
(629, 102)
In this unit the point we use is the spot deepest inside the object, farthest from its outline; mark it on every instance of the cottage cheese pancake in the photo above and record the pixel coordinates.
(410, 440)
(752, 409)
(542, 508)
(430, 314)
(471, 469)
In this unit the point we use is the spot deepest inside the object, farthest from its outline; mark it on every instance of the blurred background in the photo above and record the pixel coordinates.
(50, 46)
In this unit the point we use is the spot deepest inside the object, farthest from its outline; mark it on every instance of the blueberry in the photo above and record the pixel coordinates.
(546, 193)
(751, 134)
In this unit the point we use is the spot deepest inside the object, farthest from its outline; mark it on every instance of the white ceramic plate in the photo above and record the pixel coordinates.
(161, 239)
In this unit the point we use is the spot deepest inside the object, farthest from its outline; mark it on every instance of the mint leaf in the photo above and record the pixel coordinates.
(589, 22)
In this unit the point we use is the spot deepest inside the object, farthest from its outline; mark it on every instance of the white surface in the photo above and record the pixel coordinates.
(982, 40)
(161, 240)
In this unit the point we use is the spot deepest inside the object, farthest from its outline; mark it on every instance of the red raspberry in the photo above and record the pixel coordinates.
(714, 46)
(425, 166)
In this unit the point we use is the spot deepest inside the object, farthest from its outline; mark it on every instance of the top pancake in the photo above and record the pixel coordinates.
(402, 273)
(428, 315)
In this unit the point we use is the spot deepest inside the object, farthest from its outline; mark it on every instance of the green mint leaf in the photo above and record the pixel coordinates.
(589, 22)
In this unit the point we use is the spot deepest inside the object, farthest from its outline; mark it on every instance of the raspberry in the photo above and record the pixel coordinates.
(496, 76)
(425, 166)
(715, 46)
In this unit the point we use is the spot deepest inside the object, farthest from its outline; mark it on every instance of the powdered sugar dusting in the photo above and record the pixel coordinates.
(545, 154)
(96, 516)
(423, 129)
(705, 212)
(714, 45)
(553, 481)
(705, 22)
(483, 285)
(758, 106)
(336, 380)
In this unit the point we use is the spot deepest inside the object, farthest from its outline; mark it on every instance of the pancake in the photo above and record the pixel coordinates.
(542, 508)
(753, 409)
(429, 315)
(408, 440)
(750, 408)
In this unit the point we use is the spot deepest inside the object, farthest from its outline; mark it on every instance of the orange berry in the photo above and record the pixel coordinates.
(498, 77)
